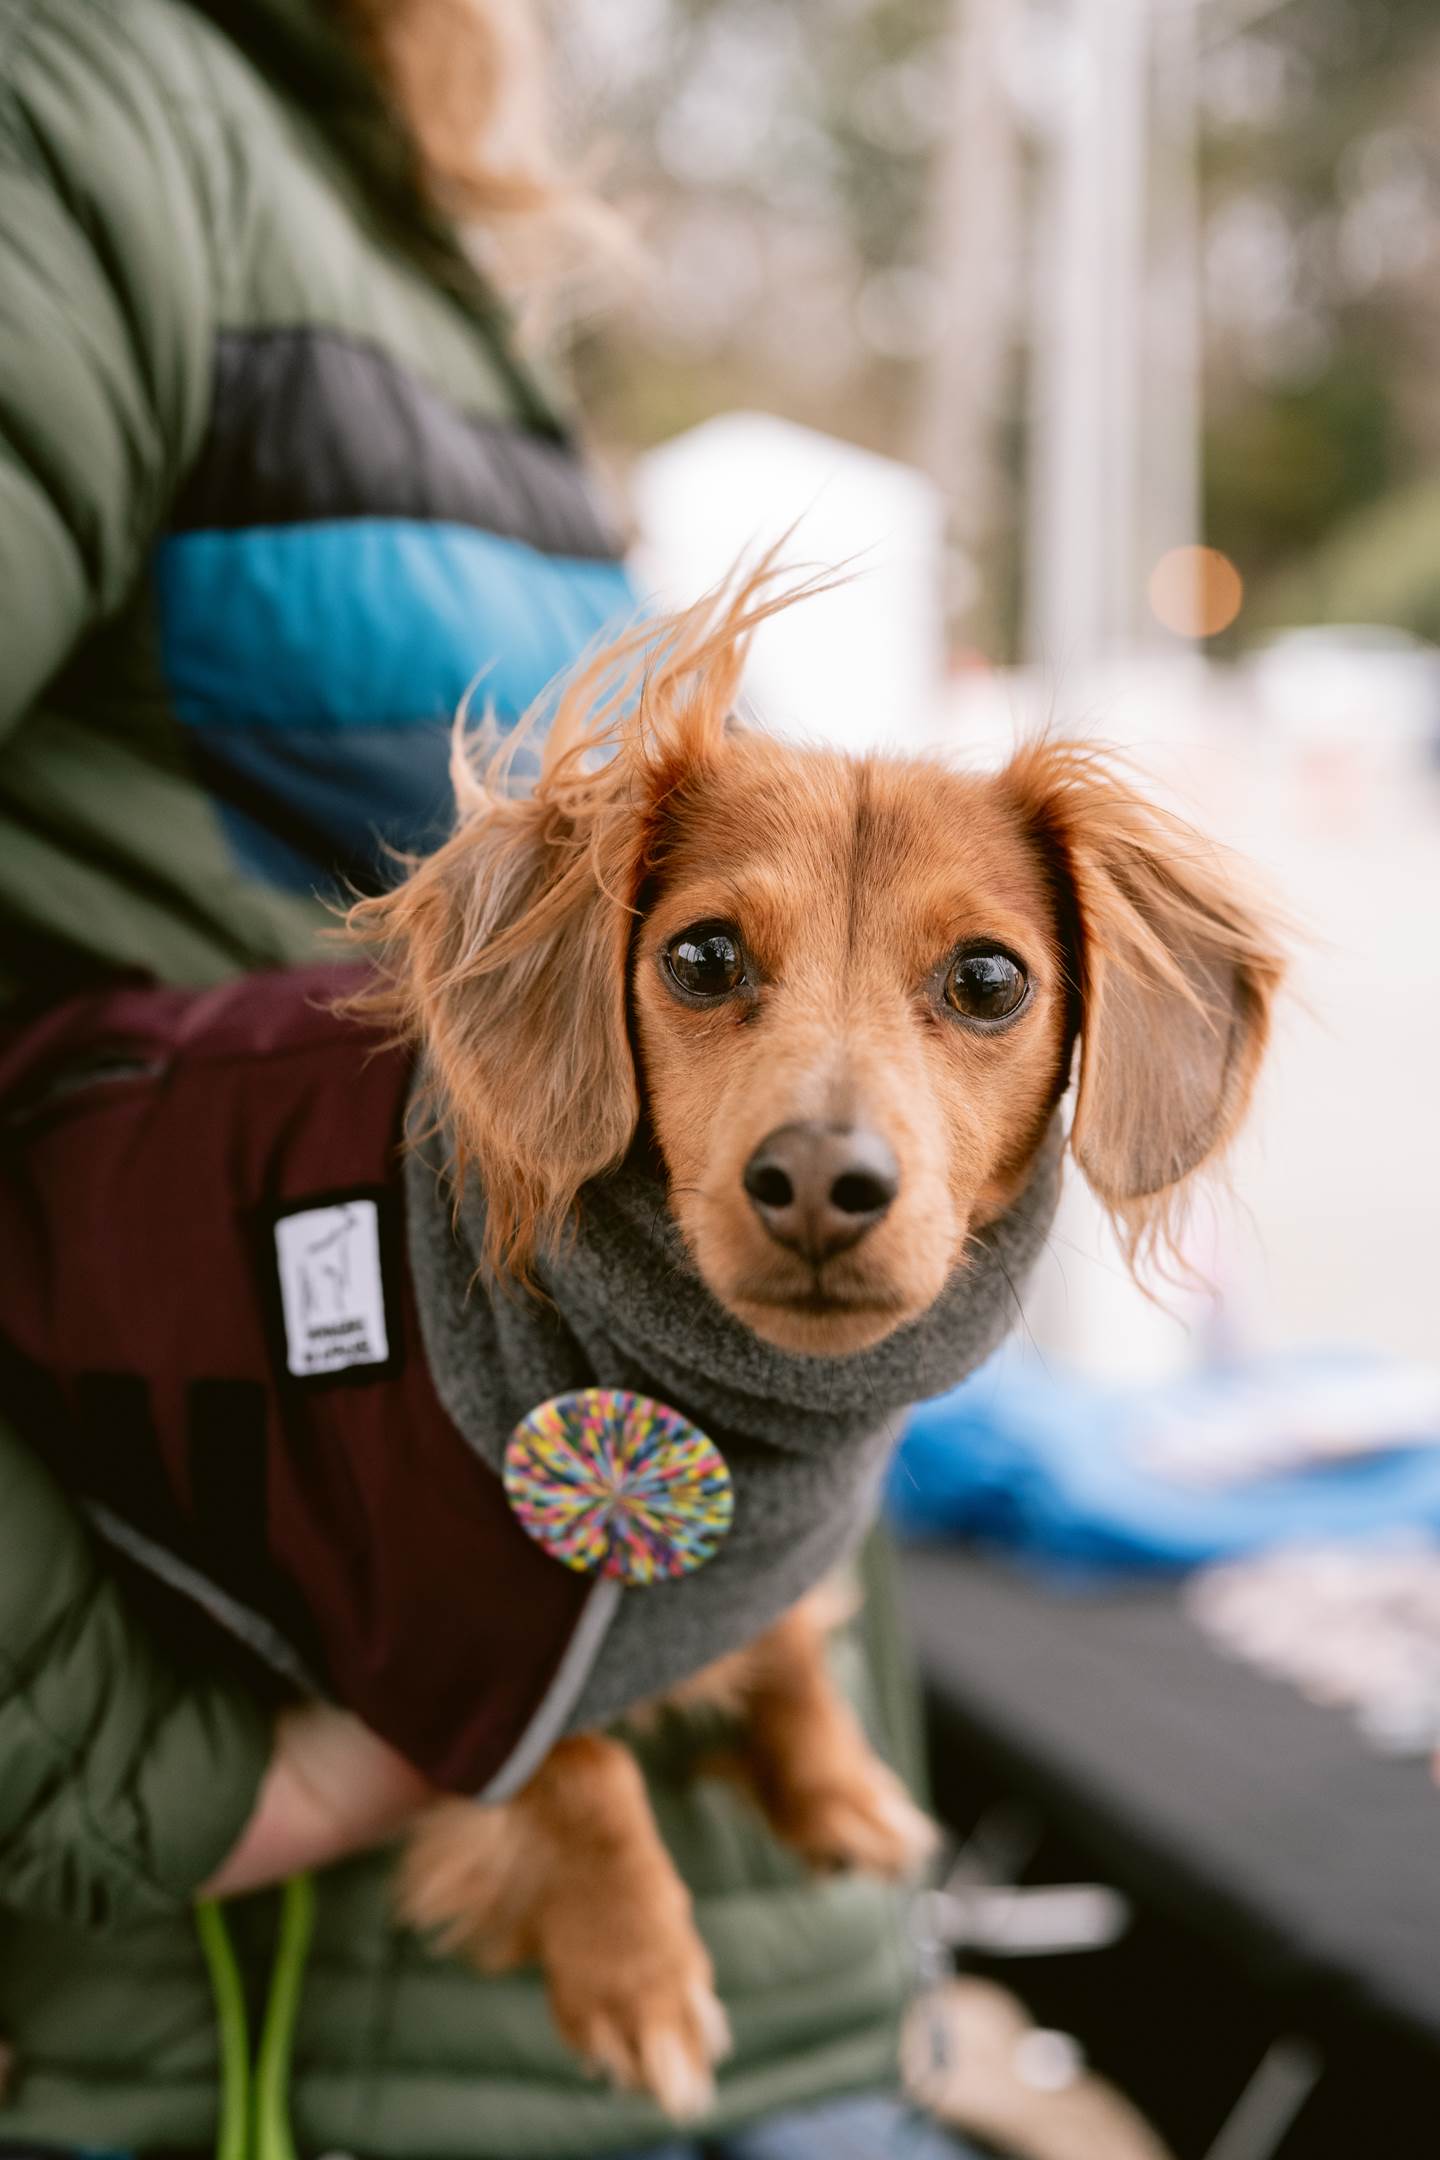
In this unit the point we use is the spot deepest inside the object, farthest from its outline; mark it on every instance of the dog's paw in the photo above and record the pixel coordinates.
(647, 2016)
(467, 1882)
(629, 1980)
(858, 1816)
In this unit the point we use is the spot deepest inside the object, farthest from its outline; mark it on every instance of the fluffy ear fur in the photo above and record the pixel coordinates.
(504, 955)
(1175, 971)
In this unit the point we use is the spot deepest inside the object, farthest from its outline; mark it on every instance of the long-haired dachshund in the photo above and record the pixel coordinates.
(841, 997)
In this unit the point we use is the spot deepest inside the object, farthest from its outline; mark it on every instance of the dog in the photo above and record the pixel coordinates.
(838, 999)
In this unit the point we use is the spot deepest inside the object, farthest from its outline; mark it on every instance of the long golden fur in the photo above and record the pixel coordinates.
(531, 957)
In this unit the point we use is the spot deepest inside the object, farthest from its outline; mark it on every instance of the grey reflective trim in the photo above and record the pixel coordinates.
(563, 1693)
(251, 1628)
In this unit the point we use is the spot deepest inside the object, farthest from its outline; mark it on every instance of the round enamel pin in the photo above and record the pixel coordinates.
(618, 1485)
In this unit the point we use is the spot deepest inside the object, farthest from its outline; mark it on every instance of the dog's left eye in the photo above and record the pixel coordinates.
(707, 960)
(984, 984)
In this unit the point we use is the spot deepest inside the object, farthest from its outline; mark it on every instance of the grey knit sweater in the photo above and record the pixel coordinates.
(806, 1438)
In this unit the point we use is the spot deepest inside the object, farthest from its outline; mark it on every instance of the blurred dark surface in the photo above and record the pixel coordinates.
(1286, 1879)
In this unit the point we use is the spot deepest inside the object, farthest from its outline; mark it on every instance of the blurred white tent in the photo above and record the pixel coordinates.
(859, 667)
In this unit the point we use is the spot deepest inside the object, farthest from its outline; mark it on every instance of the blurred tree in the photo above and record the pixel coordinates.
(808, 204)
(776, 157)
(1322, 217)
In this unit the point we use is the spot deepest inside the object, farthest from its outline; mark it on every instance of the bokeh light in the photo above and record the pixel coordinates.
(1195, 591)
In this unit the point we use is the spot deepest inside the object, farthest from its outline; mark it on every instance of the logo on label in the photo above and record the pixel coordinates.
(332, 1292)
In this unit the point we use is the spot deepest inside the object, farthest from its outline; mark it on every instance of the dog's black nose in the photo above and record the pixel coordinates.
(818, 1189)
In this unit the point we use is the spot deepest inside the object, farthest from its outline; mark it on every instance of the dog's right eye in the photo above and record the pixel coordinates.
(707, 960)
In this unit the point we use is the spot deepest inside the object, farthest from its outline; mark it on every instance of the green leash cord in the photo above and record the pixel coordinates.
(255, 2125)
(233, 2141)
(272, 2071)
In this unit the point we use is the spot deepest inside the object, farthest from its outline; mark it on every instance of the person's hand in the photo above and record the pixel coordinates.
(332, 1788)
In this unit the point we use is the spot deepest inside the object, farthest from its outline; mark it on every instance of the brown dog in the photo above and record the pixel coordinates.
(844, 995)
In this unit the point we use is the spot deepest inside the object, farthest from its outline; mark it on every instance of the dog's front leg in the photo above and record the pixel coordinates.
(805, 1756)
(572, 1874)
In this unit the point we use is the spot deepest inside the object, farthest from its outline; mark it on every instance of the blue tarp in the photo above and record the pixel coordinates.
(1051, 1467)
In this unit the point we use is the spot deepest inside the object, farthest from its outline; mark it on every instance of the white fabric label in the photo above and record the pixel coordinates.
(332, 1292)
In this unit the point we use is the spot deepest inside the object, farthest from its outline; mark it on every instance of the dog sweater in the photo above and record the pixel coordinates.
(243, 1323)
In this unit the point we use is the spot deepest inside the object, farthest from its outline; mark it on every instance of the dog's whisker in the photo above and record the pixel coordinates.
(1022, 1318)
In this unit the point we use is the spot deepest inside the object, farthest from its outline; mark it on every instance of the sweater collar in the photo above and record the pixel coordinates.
(628, 1294)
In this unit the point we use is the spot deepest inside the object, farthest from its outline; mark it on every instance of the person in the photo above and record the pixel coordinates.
(277, 486)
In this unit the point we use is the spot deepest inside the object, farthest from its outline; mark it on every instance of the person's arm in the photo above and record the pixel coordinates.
(121, 1784)
(332, 1788)
(123, 1780)
(106, 327)
(129, 1785)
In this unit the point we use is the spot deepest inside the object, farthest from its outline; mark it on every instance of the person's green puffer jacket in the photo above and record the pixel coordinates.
(273, 488)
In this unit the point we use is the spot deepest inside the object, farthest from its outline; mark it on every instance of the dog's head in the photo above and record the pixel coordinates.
(844, 992)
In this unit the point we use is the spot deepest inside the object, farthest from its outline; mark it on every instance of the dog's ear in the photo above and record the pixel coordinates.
(1174, 968)
(505, 954)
